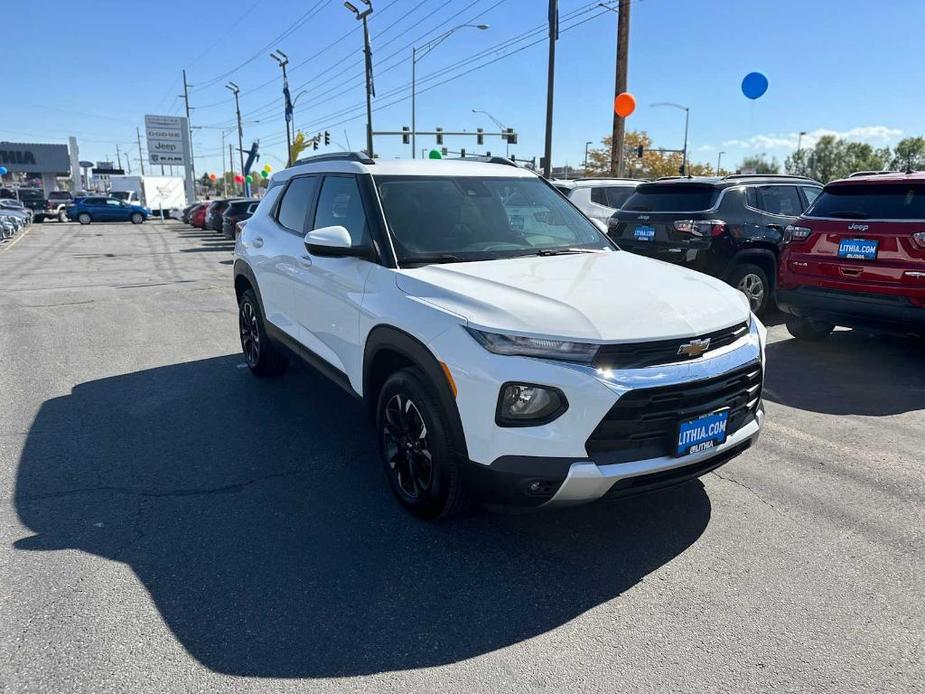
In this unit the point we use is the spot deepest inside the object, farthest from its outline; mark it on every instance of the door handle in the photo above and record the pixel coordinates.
(258, 242)
(305, 261)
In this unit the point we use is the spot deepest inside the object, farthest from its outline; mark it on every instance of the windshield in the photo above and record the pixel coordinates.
(461, 218)
(671, 197)
(874, 201)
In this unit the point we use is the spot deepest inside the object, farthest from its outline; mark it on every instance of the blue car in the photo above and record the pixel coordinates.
(98, 209)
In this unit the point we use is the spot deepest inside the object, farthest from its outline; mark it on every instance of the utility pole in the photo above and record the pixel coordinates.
(283, 61)
(141, 159)
(719, 159)
(551, 82)
(370, 87)
(586, 156)
(191, 166)
(617, 137)
(231, 164)
(236, 90)
(118, 157)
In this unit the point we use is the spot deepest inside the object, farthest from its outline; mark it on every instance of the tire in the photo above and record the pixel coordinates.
(803, 329)
(419, 463)
(752, 281)
(84, 218)
(62, 216)
(39, 218)
(263, 358)
(137, 218)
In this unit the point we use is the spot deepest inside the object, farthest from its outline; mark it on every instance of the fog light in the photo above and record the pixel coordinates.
(527, 404)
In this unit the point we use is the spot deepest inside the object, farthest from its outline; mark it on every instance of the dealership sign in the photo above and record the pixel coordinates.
(167, 140)
(27, 157)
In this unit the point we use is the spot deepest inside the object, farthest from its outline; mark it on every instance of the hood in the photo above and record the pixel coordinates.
(605, 297)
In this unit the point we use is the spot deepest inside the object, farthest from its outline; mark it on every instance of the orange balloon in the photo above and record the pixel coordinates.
(624, 104)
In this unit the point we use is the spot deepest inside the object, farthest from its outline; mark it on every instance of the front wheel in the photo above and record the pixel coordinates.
(811, 330)
(62, 216)
(137, 218)
(83, 218)
(263, 357)
(752, 281)
(414, 447)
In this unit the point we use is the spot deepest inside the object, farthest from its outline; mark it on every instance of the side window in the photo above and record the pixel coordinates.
(114, 203)
(782, 200)
(599, 195)
(751, 197)
(340, 205)
(297, 200)
(811, 193)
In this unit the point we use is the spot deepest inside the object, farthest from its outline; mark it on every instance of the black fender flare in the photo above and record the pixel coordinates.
(749, 253)
(387, 337)
(242, 269)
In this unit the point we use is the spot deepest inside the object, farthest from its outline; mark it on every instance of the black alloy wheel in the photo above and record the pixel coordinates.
(406, 447)
(262, 355)
(250, 333)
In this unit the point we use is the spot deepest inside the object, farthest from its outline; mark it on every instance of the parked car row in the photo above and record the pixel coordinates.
(14, 217)
(226, 215)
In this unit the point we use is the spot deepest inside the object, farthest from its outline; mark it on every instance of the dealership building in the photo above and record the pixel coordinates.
(42, 164)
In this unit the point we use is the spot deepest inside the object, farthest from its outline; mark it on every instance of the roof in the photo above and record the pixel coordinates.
(351, 163)
(733, 180)
(597, 182)
(882, 177)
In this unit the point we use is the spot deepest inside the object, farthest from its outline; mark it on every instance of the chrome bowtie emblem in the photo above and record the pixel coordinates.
(694, 348)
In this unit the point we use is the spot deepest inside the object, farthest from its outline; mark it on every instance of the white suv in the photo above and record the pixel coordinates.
(598, 198)
(505, 348)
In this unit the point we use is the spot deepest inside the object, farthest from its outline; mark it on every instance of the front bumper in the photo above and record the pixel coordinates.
(550, 464)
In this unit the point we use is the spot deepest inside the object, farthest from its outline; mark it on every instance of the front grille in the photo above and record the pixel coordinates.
(639, 354)
(643, 423)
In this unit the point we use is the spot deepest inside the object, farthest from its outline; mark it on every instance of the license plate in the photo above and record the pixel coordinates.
(858, 249)
(644, 233)
(702, 433)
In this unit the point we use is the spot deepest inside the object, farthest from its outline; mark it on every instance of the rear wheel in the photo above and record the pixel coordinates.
(83, 218)
(263, 357)
(62, 216)
(414, 447)
(137, 218)
(752, 281)
(804, 329)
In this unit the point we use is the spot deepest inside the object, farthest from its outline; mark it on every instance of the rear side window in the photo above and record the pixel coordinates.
(780, 200)
(293, 208)
(611, 196)
(874, 201)
(811, 193)
(671, 197)
(340, 205)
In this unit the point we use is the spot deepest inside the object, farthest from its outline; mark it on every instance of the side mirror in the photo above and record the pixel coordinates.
(600, 225)
(335, 242)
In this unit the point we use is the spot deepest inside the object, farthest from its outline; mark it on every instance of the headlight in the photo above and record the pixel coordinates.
(528, 404)
(516, 345)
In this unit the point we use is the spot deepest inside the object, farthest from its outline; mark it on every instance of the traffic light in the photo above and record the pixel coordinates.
(405, 135)
(315, 144)
(439, 135)
(327, 138)
(462, 152)
(444, 151)
(479, 136)
(510, 136)
(640, 150)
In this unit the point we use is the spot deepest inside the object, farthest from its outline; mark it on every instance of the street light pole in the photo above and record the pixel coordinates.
(235, 89)
(800, 140)
(719, 159)
(550, 83)
(687, 113)
(501, 127)
(283, 61)
(589, 142)
(367, 50)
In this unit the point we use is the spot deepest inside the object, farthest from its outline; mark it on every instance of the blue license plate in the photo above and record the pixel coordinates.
(708, 431)
(644, 233)
(858, 249)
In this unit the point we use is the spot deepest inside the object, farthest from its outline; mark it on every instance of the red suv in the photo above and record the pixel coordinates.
(857, 258)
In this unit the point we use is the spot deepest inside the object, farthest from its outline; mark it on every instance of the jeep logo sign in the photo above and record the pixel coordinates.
(25, 157)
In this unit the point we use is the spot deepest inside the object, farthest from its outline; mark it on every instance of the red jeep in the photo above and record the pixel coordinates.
(857, 258)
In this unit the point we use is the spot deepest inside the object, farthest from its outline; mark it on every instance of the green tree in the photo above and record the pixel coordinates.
(651, 165)
(759, 164)
(909, 154)
(833, 158)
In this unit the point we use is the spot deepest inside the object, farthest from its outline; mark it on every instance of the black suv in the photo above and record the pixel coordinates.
(34, 198)
(730, 227)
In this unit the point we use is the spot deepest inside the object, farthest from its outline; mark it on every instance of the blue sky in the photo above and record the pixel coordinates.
(845, 66)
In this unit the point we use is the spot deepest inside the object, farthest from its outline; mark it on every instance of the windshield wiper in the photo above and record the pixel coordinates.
(431, 259)
(846, 214)
(567, 251)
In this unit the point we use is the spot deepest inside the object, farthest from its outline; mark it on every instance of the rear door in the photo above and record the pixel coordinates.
(862, 236)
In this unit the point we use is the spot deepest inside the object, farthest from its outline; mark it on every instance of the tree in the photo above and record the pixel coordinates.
(909, 154)
(759, 164)
(833, 158)
(651, 165)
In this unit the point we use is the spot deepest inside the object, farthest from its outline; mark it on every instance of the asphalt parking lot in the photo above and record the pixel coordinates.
(170, 523)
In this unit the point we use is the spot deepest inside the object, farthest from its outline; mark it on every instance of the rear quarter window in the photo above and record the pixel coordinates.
(611, 196)
(891, 201)
(671, 197)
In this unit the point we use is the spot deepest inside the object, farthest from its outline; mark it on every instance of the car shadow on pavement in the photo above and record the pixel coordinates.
(256, 515)
(850, 372)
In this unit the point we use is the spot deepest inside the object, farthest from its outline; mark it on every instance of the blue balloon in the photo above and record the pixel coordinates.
(3, 170)
(754, 85)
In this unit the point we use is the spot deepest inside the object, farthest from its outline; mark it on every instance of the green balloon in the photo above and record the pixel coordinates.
(250, 179)
(265, 173)
(435, 154)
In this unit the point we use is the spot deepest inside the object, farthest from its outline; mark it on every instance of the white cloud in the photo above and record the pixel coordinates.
(706, 148)
(876, 134)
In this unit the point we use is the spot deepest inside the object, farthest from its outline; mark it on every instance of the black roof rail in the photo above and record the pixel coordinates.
(758, 175)
(494, 159)
(607, 178)
(359, 157)
(873, 173)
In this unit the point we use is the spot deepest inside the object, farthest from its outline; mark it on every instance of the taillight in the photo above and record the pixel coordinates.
(919, 238)
(701, 227)
(795, 233)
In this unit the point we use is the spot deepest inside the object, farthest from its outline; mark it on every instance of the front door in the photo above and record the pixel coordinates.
(329, 291)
